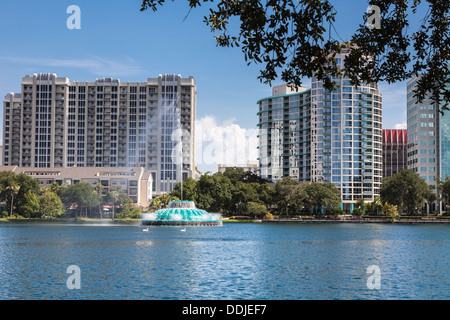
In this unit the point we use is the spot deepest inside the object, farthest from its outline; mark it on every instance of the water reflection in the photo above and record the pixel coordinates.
(236, 261)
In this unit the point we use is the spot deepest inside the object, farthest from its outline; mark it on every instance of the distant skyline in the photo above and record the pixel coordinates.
(117, 40)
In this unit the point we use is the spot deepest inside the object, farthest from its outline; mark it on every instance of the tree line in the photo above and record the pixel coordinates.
(23, 197)
(232, 193)
(236, 192)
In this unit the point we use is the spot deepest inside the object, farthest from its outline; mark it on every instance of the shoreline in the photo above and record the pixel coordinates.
(404, 220)
(307, 220)
(385, 220)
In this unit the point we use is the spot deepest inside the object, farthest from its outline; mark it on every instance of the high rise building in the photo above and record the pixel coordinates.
(285, 134)
(323, 136)
(55, 123)
(423, 123)
(428, 139)
(394, 151)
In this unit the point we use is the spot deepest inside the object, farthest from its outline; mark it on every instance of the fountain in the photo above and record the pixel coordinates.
(181, 213)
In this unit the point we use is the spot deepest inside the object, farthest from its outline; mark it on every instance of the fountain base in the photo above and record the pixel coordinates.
(181, 213)
(181, 223)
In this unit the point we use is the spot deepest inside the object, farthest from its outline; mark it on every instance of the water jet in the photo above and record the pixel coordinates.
(181, 213)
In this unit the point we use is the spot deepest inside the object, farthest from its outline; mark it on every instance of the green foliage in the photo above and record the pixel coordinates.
(130, 210)
(162, 201)
(360, 207)
(357, 212)
(31, 206)
(256, 209)
(406, 190)
(321, 196)
(374, 207)
(293, 197)
(51, 205)
(444, 188)
(215, 192)
(337, 211)
(285, 190)
(13, 188)
(190, 190)
(297, 38)
(390, 210)
(80, 195)
(228, 192)
(268, 216)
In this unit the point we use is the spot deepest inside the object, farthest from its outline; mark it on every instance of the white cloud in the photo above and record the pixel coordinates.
(400, 126)
(226, 143)
(96, 65)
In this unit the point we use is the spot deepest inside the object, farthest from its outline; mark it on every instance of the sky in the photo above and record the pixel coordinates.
(117, 40)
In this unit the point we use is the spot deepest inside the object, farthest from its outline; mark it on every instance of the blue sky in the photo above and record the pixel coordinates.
(117, 40)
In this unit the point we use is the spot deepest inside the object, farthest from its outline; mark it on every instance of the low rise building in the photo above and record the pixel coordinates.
(136, 182)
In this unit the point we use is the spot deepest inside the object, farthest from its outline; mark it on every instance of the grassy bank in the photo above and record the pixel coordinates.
(67, 220)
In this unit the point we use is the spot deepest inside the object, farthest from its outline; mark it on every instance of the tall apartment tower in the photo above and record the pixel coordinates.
(285, 134)
(55, 122)
(323, 136)
(394, 151)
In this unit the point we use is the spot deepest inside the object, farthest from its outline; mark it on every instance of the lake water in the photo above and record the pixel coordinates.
(236, 261)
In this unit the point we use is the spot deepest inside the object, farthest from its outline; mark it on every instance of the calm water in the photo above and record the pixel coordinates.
(236, 261)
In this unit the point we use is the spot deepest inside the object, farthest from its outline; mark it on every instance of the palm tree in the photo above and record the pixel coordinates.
(13, 190)
(99, 189)
(115, 196)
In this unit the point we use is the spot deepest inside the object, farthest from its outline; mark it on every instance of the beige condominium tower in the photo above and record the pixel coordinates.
(58, 123)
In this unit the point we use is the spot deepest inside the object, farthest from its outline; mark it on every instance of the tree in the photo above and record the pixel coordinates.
(283, 189)
(51, 205)
(99, 192)
(130, 210)
(114, 196)
(31, 205)
(275, 34)
(12, 190)
(214, 192)
(375, 206)
(256, 209)
(360, 207)
(406, 190)
(321, 196)
(390, 210)
(242, 195)
(444, 188)
(81, 194)
(190, 190)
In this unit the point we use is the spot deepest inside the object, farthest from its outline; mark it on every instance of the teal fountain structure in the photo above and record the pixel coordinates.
(181, 213)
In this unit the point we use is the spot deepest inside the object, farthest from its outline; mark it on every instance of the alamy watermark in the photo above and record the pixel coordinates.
(74, 280)
(374, 20)
(374, 280)
(74, 20)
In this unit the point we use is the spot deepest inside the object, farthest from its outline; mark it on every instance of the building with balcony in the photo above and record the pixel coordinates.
(323, 136)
